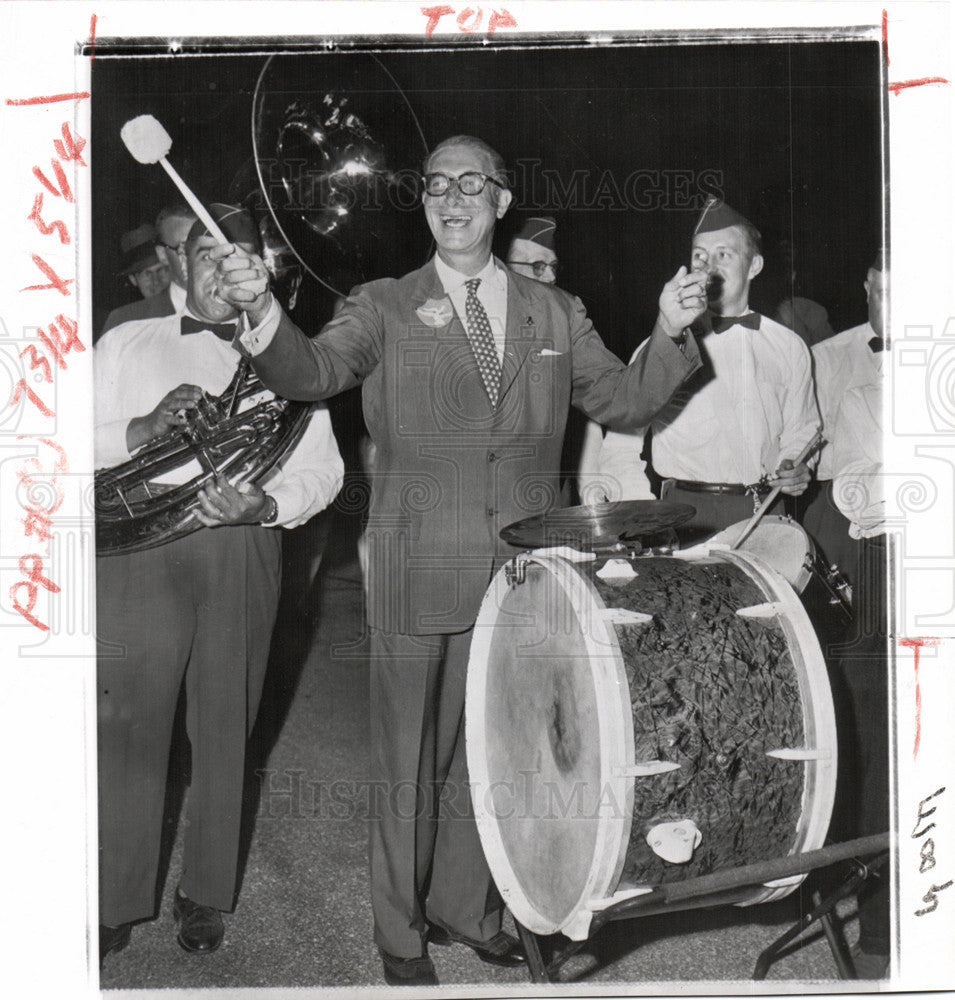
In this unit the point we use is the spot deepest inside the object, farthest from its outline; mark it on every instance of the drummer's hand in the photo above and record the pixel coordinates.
(221, 503)
(791, 479)
(682, 300)
(242, 280)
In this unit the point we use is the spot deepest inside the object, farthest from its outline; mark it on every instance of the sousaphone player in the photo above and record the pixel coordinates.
(197, 610)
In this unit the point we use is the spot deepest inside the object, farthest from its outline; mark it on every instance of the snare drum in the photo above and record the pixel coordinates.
(608, 701)
(779, 542)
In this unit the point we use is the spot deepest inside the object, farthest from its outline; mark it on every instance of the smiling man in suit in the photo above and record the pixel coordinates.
(468, 373)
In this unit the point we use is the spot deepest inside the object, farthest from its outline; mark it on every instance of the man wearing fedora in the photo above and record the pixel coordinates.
(167, 237)
(141, 265)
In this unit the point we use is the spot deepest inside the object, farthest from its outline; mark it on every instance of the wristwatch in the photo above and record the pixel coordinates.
(272, 513)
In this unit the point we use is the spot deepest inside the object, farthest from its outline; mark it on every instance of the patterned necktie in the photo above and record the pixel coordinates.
(482, 341)
(224, 331)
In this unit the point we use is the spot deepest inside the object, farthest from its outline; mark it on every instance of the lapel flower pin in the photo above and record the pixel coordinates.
(436, 312)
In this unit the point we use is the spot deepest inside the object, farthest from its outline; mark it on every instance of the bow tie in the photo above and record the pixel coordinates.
(876, 344)
(722, 323)
(224, 331)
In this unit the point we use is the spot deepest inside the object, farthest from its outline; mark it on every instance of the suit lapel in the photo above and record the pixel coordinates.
(427, 287)
(523, 321)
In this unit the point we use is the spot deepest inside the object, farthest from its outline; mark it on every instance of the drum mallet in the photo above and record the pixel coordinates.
(773, 493)
(148, 142)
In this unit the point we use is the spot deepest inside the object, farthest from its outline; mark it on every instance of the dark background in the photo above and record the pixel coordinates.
(788, 132)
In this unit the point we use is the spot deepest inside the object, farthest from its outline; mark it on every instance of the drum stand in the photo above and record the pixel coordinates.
(730, 886)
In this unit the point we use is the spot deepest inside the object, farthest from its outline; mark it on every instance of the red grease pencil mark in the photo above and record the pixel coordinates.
(57, 283)
(51, 99)
(915, 645)
(434, 14)
(897, 88)
(92, 37)
(921, 82)
(469, 19)
(31, 566)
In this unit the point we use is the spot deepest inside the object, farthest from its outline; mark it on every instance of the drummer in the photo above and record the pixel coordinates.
(850, 519)
(734, 430)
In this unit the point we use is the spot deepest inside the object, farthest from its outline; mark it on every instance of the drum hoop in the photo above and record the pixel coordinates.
(615, 723)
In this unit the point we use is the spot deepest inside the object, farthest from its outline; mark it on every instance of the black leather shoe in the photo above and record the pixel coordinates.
(200, 927)
(408, 971)
(503, 949)
(112, 939)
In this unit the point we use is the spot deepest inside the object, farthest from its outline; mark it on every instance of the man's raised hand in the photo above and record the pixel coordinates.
(242, 280)
(682, 300)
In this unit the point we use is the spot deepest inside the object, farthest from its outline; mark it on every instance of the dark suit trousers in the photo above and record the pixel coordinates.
(426, 858)
(202, 607)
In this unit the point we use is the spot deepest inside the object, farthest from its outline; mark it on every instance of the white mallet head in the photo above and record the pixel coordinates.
(146, 139)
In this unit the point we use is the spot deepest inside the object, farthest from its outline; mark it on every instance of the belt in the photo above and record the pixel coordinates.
(729, 489)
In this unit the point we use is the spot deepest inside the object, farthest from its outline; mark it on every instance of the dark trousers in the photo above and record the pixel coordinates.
(857, 660)
(864, 741)
(200, 608)
(426, 857)
(714, 511)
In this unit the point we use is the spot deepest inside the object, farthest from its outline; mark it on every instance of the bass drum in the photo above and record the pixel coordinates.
(616, 703)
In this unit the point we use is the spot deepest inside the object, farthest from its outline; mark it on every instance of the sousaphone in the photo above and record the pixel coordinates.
(332, 178)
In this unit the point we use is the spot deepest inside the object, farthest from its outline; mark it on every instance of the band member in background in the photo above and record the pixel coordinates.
(468, 374)
(172, 227)
(142, 267)
(196, 611)
(849, 359)
(732, 432)
(848, 519)
(531, 252)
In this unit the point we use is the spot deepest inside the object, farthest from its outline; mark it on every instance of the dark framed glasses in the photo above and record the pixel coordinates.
(539, 266)
(470, 183)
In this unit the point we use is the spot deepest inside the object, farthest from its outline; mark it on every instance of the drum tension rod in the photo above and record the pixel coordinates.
(515, 572)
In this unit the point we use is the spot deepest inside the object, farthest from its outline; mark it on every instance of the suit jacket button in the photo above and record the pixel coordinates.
(491, 512)
(491, 456)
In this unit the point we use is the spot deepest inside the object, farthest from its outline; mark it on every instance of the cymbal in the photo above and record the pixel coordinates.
(597, 525)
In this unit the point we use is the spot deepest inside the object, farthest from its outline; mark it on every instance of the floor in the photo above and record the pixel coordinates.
(303, 917)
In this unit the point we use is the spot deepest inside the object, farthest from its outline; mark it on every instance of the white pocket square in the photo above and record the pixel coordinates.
(546, 352)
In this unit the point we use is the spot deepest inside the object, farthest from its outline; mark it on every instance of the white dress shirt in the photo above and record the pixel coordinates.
(177, 296)
(492, 294)
(757, 409)
(137, 363)
(858, 485)
(841, 363)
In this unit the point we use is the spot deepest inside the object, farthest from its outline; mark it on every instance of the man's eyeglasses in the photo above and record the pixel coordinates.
(470, 183)
(539, 266)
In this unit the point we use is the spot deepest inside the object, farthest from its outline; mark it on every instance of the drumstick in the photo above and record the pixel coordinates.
(148, 142)
(774, 492)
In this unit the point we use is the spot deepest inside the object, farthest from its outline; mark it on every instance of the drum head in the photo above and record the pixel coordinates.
(777, 541)
(604, 705)
(548, 722)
